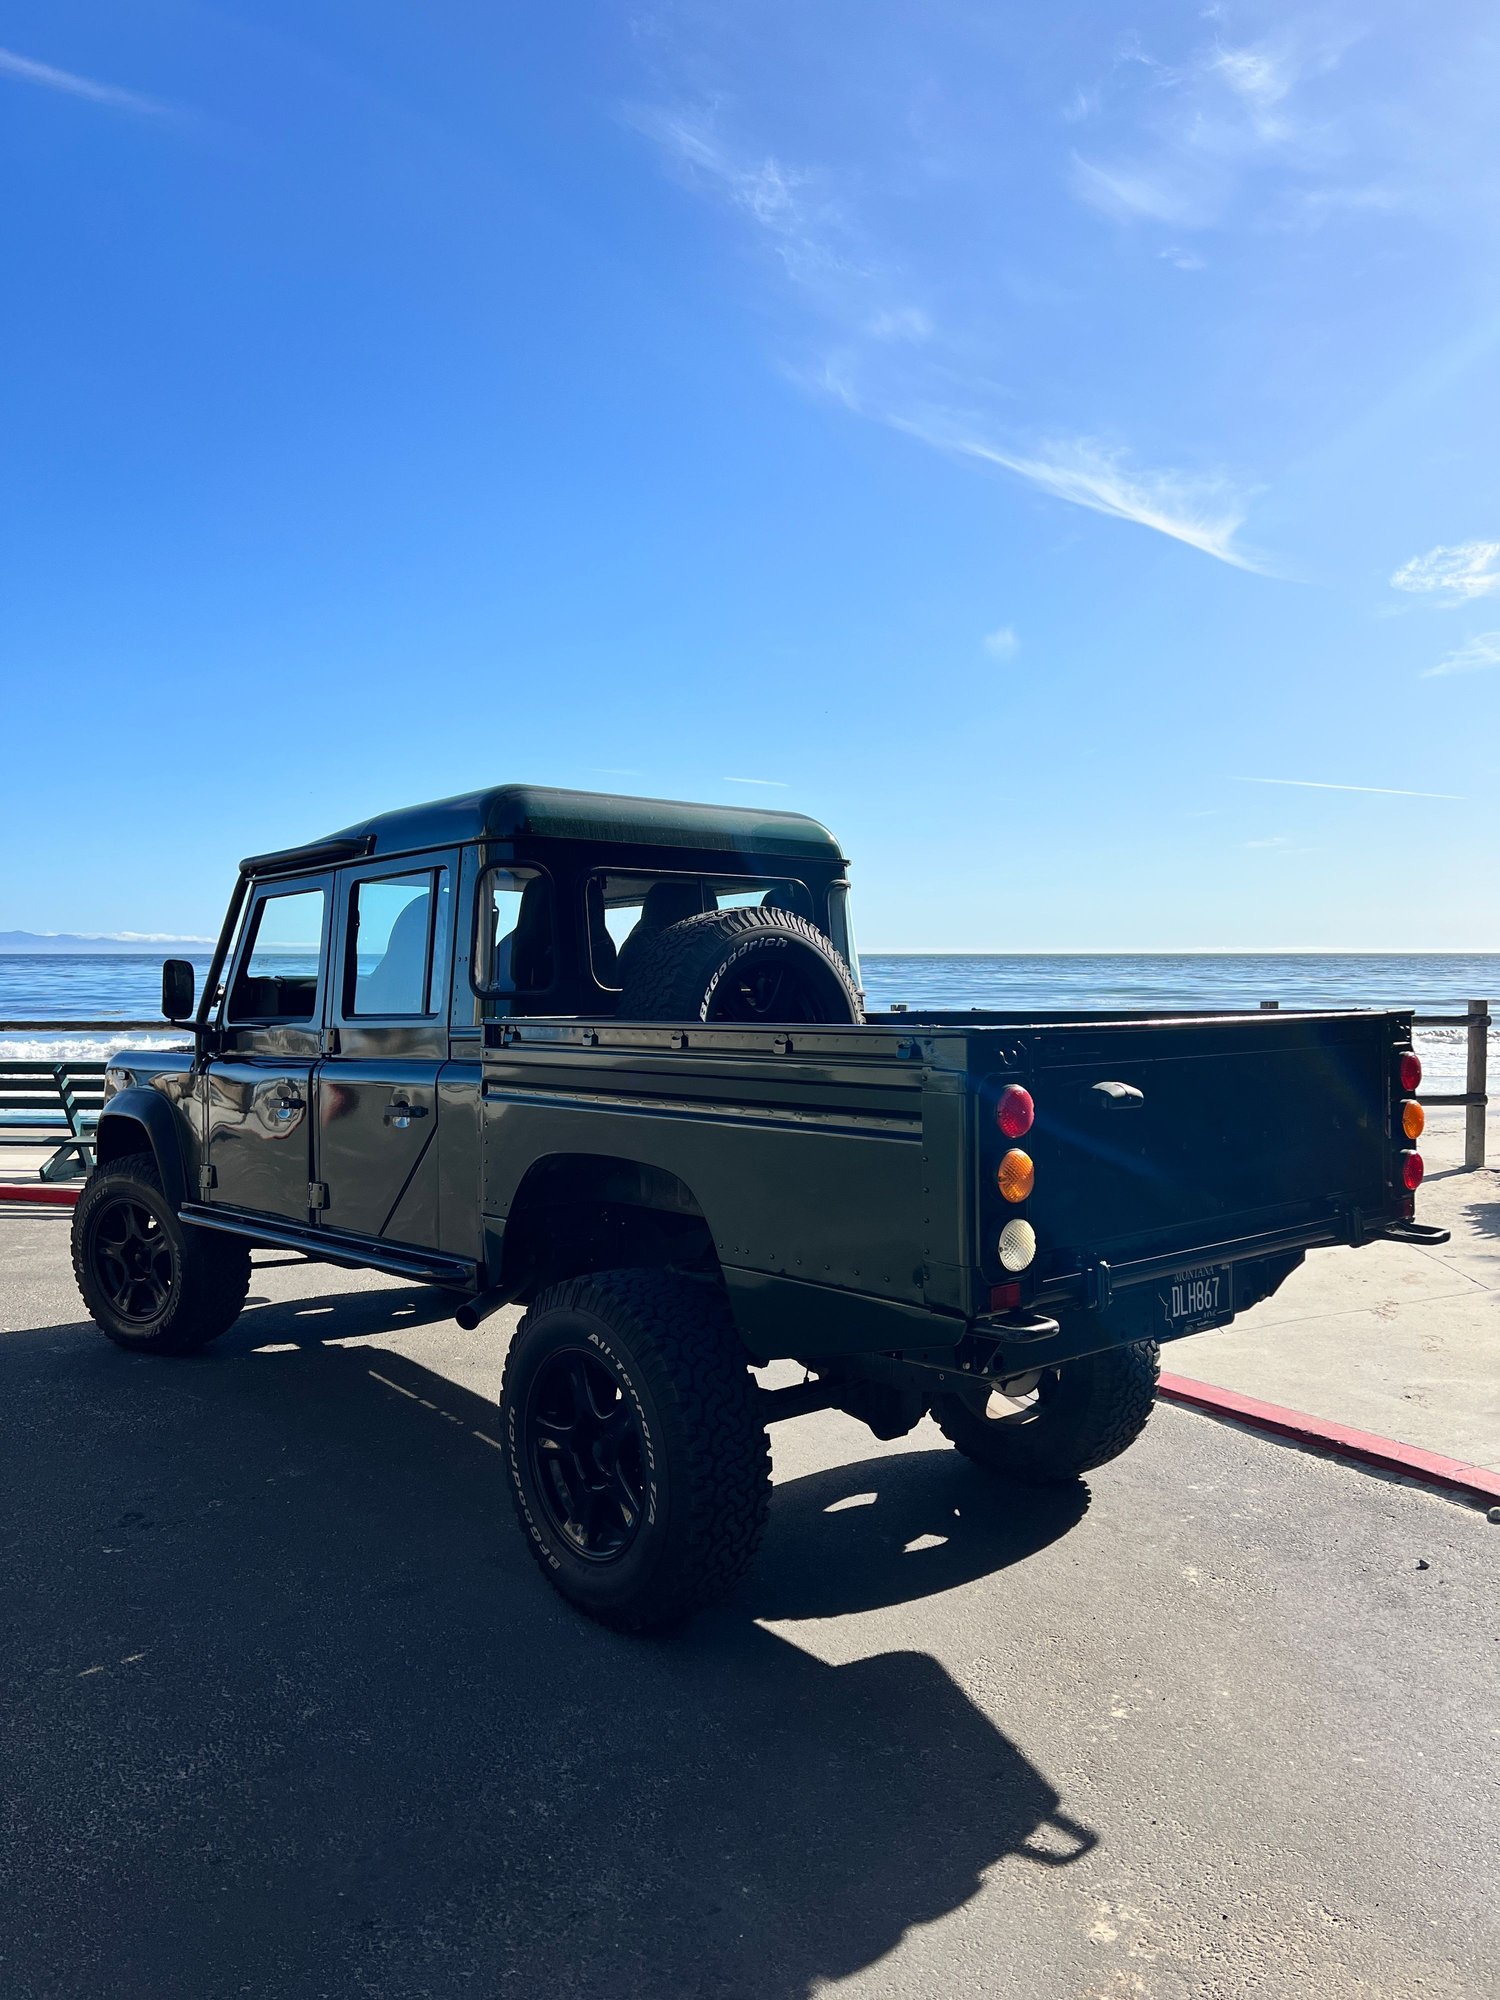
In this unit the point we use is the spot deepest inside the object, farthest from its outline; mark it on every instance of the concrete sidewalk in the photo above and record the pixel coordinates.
(1390, 1338)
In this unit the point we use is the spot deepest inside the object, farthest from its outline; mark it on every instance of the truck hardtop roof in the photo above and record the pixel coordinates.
(512, 812)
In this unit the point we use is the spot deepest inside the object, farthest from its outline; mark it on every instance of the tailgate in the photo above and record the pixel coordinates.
(1242, 1125)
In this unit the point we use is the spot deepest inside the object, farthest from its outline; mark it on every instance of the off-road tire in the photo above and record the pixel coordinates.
(704, 969)
(1088, 1412)
(672, 1346)
(204, 1277)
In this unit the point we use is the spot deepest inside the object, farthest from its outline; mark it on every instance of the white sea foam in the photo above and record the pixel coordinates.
(82, 1048)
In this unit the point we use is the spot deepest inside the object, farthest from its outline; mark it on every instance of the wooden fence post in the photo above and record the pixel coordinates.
(1477, 1085)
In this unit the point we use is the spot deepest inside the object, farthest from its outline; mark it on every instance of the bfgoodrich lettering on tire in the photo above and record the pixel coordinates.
(638, 1462)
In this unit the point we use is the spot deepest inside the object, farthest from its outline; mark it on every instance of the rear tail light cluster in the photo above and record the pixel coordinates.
(1412, 1119)
(1015, 1177)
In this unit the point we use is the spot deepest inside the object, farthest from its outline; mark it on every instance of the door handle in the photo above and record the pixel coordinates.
(400, 1114)
(1116, 1096)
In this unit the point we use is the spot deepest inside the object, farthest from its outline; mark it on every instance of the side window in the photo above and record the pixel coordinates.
(278, 975)
(625, 911)
(388, 969)
(514, 950)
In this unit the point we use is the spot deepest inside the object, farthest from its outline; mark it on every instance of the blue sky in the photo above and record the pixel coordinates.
(1056, 447)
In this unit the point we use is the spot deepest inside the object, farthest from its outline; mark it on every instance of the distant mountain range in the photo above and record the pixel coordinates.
(98, 941)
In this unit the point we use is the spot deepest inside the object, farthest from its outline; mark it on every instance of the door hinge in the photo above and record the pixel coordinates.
(317, 1194)
(208, 1177)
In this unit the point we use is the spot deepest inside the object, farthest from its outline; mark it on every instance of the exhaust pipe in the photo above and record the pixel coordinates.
(478, 1308)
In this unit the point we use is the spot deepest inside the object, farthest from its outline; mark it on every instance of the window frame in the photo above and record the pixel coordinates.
(478, 951)
(394, 868)
(263, 891)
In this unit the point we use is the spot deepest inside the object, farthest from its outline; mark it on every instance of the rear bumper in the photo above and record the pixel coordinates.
(1108, 1302)
(1100, 1280)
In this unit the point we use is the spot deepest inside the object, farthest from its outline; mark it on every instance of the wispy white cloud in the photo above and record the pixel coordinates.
(1271, 840)
(1200, 127)
(1321, 785)
(1127, 192)
(1472, 657)
(1454, 574)
(1002, 644)
(774, 784)
(1194, 510)
(858, 295)
(24, 70)
(790, 204)
(900, 323)
(1261, 77)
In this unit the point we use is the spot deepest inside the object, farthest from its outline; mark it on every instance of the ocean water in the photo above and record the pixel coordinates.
(110, 986)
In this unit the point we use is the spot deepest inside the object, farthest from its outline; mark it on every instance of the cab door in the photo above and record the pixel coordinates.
(260, 1081)
(376, 1090)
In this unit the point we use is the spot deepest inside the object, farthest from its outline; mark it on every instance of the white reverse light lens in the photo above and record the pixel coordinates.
(1017, 1245)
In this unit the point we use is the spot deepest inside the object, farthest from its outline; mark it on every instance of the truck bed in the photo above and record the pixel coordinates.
(847, 1174)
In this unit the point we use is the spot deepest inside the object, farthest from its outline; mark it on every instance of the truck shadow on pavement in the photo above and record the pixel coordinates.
(296, 1716)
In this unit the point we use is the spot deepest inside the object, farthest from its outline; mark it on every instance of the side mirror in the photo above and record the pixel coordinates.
(177, 986)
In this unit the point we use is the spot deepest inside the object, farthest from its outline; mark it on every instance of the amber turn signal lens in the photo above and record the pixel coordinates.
(1411, 1171)
(1413, 1118)
(1411, 1070)
(1015, 1112)
(1017, 1175)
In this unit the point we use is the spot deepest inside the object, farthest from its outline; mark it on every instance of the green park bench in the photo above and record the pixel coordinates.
(52, 1104)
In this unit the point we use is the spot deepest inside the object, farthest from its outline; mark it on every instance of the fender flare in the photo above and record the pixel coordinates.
(156, 1121)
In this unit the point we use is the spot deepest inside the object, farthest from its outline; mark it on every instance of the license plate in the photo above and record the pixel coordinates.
(1190, 1300)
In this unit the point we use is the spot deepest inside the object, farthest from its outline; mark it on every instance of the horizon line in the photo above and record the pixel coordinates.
(1187, 951)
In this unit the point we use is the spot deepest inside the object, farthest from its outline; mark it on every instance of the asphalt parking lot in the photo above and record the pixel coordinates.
(289, 1713)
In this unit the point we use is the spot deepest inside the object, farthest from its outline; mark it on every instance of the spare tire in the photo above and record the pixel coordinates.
(739, 965)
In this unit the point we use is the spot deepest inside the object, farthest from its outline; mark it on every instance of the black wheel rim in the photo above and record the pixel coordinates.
(587, 1454)
(132, 1259)
(774, 986)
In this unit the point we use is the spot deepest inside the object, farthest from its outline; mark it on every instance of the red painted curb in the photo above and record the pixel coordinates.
(1342, 1440)
(38, 1191)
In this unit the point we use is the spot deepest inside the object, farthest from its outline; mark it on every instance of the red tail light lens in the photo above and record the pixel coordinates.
(1411, 1171)
(1411, 1070)
(1015, 1112)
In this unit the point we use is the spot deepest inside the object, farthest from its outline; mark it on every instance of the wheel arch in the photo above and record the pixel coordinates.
(138, 1120)
(574, 1213)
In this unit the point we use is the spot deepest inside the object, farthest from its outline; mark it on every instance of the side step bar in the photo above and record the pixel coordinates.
(354, 1253)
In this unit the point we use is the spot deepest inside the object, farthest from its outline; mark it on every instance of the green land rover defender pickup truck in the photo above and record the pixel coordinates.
(606, 1058)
